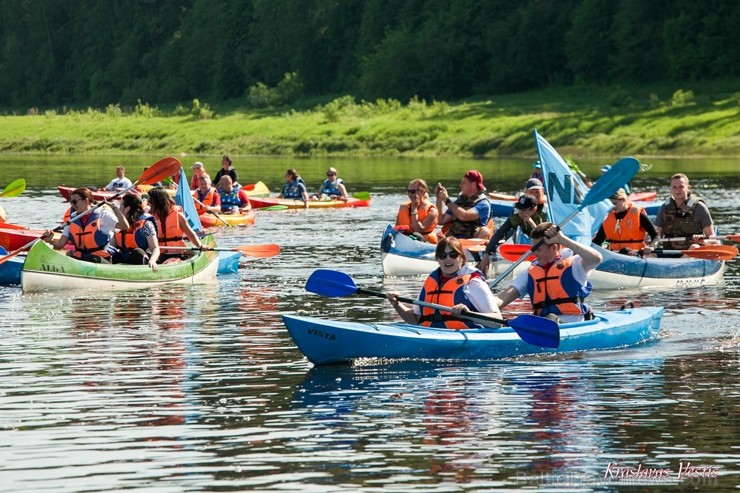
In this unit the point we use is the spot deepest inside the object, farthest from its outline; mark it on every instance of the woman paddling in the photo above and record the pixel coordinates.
(453, 284)
(172, 225)
(130, 246)
(88, 232)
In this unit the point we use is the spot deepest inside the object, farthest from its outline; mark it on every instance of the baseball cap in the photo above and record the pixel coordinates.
(475, 177)
(533, 183)
(526, 201)
(197, 164)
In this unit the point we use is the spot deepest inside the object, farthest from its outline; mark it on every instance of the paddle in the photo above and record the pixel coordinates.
(734, 238)
(218, 216)
(273, 208)
(706, 252)
(620, 173)
(534, 330)
(264, 250)
(154, 173)
(14, 188)
(361, 195)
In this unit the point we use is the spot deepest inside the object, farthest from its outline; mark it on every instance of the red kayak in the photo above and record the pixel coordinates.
(263, 202)
(13, 236)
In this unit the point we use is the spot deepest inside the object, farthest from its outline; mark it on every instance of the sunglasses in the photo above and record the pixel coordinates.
(74, 201)
(331, 174)
(444, 255)
(409, 191)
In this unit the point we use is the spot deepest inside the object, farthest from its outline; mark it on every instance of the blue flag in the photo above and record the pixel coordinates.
(565, 192)
(184, 199)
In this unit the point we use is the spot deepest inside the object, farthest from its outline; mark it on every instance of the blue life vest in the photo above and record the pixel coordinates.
(331, 187)
(230, 201)
(293, 190)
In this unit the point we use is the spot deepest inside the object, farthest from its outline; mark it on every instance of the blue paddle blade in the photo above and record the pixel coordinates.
(620, 173)
(3, 251)
(331, 283)
(538, 331)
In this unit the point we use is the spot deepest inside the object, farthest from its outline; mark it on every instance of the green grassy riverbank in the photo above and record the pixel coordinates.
(586, 121)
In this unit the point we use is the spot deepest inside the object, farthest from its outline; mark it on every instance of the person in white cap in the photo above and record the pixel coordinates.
(332, 188)
(198, 171)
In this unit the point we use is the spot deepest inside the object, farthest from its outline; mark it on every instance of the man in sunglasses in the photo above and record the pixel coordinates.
(684, 215)
(557, 280)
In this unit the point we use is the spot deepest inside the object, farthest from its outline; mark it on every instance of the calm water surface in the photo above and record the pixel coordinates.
(201, 389)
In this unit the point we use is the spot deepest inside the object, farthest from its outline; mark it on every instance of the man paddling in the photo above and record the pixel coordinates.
(557, 280)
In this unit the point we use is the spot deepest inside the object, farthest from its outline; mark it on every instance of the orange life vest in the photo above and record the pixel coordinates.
(450, 293)
(88, 239)
(626, 232)
(170, 233)
(132, 237)
(404, 219)
(207, 200)
(555, 291)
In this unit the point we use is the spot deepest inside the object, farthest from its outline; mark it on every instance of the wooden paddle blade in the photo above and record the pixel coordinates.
(538, 331)
(14, 188)
(164, 168)
(262, 250)
(513, 252)
(712, 252)
(331, 283)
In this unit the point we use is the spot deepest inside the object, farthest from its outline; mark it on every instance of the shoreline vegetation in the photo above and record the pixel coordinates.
(693, 121)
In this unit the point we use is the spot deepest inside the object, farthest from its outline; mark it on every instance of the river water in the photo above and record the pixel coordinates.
(201, 388)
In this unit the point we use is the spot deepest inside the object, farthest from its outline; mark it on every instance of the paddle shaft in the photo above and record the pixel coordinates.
(734, 238)
(467, 315)
(218, 216)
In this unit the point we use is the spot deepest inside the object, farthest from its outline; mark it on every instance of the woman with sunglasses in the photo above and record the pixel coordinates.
(419, 216)
(452, 284)
(332, 188)
(91, 232)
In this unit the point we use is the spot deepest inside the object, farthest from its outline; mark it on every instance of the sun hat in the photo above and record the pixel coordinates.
(475, 177)
(197, 164)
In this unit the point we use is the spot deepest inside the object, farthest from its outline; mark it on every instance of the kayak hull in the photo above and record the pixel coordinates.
(226, 220)
(46, 269)
(262, 202)
(403, 256)
(10, 271)
(333, 342)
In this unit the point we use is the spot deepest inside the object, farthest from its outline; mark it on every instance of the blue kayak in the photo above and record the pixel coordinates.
(330, 342)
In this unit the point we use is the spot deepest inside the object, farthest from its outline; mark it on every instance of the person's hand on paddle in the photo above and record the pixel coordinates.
(459, 309)
(554, 235)
(47, 236)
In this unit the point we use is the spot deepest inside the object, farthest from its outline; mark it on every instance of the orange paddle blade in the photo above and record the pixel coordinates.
(263, 250)
(712, 252)
(160, 170)
(734, 238)
(514, 252)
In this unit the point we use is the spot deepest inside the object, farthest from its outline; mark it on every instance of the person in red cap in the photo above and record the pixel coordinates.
(468, 216)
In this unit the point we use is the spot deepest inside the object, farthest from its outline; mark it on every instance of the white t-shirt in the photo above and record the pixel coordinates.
(579, 274)
(118, 183)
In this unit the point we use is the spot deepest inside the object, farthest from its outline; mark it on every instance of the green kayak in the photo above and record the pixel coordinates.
(47, 269)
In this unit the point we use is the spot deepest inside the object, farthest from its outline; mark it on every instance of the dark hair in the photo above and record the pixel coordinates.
(83, 192)
(160, 203)
(293, 173)
(539, 231)
(449, 241)
(226, 158)
(135, 205)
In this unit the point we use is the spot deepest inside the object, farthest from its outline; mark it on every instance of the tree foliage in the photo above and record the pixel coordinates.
(119, 52)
